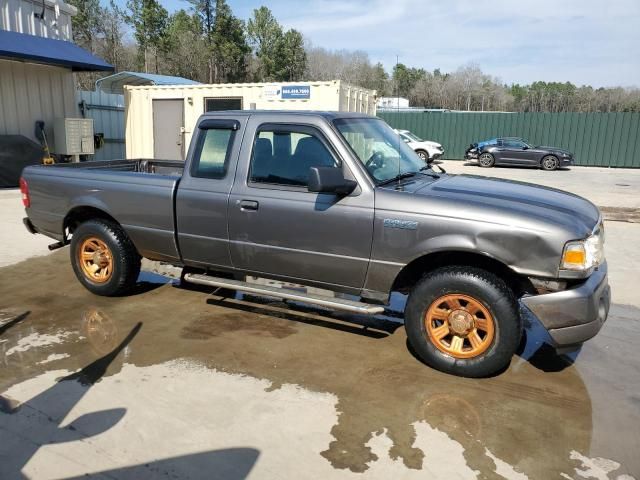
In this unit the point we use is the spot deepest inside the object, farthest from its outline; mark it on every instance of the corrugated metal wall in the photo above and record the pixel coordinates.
(30, 92)
(18, 16)
(596, 139)
(107, 111)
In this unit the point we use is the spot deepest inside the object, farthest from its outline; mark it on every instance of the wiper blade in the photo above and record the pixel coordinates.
(432, 175)
(397, 178)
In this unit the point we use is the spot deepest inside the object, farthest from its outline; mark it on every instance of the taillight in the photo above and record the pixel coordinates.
(24, 189)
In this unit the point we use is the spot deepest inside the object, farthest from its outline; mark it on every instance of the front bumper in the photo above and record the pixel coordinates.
(437, 154)
(566, 162)
(575, 315)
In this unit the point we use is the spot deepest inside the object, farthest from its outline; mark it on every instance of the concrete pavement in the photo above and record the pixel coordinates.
(15, 242)
(606, 187)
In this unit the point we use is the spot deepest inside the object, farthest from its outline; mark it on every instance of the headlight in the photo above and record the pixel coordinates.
(582, 255)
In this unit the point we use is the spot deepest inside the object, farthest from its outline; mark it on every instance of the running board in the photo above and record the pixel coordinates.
(332, 303)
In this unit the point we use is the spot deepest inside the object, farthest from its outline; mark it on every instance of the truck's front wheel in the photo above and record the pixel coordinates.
(464, 321)
(103, 258)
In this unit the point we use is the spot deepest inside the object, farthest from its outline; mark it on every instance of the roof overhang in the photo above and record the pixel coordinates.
(49, 51)
(115, 83)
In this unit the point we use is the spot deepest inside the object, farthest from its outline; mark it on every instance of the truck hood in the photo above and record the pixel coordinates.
(515, 202)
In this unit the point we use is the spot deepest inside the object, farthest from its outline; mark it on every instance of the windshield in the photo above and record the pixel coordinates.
(413, 137)
(379, 148)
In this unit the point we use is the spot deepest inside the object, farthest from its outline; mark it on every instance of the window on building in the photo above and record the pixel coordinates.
(221, 104)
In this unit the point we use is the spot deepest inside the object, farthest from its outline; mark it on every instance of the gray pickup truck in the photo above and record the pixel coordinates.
(338, 201)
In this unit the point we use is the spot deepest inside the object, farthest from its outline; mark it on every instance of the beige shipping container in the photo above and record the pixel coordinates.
(160, 119)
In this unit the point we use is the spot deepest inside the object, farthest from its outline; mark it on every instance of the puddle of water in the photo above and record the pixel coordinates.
(379, 408)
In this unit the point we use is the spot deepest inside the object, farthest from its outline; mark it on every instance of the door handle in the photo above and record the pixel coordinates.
(250, 205)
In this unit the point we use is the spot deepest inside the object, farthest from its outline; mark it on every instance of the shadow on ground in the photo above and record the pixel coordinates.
(55, 403)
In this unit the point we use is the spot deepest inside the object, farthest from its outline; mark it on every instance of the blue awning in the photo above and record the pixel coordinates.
(115, 83)
(48, 51)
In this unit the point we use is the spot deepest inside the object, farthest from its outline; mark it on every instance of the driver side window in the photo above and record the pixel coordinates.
(514, 144)
(283, 155)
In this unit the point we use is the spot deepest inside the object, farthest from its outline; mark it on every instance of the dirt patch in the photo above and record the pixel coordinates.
(227, 323)
(621, 214)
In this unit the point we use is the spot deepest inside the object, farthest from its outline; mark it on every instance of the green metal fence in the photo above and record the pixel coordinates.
(596, 139)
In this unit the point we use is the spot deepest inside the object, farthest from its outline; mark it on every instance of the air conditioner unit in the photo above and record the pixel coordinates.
(73, 136)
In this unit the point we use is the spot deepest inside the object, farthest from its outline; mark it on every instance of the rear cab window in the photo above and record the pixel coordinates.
(212, 152)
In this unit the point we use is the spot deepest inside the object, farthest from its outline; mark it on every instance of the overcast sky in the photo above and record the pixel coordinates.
(594, 42)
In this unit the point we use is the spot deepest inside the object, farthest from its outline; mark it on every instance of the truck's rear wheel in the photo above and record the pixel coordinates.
(464, 321)
(103, 258)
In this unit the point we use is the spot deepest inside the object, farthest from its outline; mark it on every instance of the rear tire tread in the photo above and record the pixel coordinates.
(126, 258)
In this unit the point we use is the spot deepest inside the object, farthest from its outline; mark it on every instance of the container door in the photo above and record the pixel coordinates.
(168, 129)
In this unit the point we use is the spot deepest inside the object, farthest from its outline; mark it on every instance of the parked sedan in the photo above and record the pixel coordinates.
(515, 151)
(426, 150)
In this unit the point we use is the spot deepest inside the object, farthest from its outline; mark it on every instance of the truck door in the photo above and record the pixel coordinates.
(203, 193)
(278, 227)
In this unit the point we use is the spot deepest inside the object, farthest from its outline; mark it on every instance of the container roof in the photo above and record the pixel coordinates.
(115, 83)
(49, 51)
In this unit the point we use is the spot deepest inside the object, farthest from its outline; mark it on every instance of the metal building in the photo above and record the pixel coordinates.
(37, 61)
(160, 119)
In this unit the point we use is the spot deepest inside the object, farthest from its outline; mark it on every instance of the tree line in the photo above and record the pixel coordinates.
(208, 43)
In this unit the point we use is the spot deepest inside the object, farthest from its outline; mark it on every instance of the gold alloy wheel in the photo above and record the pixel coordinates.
(96, 260)
(459, 325)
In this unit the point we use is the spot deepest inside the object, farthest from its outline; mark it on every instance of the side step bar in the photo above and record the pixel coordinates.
(329, 302)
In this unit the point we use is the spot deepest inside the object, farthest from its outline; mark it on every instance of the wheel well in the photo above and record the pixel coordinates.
(415, 270)
(79, 215)
(549, 155)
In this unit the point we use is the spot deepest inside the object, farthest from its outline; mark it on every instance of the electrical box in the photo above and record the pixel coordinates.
(73, 136)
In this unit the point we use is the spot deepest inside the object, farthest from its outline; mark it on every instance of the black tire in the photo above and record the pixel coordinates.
(423, 155)
(125, 260)
(486, 160)
(492, 293)
(549, 163)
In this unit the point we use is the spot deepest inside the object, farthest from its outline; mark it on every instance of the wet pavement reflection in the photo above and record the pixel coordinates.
(543, 416)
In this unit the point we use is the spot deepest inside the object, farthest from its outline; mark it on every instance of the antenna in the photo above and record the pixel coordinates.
(398, 111)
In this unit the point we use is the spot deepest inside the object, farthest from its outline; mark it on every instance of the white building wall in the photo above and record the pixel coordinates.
(18, 16)
(393, 102)
(331, 96)
(30, 92)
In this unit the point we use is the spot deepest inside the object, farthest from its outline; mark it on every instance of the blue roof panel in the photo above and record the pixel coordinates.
(49, 51)
(115, 83)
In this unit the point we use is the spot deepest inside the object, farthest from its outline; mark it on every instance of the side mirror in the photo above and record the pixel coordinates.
(330, 180)
(526, 147)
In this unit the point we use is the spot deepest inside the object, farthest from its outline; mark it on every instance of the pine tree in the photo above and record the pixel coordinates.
(229, 44)
(149, 21)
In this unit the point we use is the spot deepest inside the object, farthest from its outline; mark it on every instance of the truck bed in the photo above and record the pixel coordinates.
(138, 194)
(140, 165)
